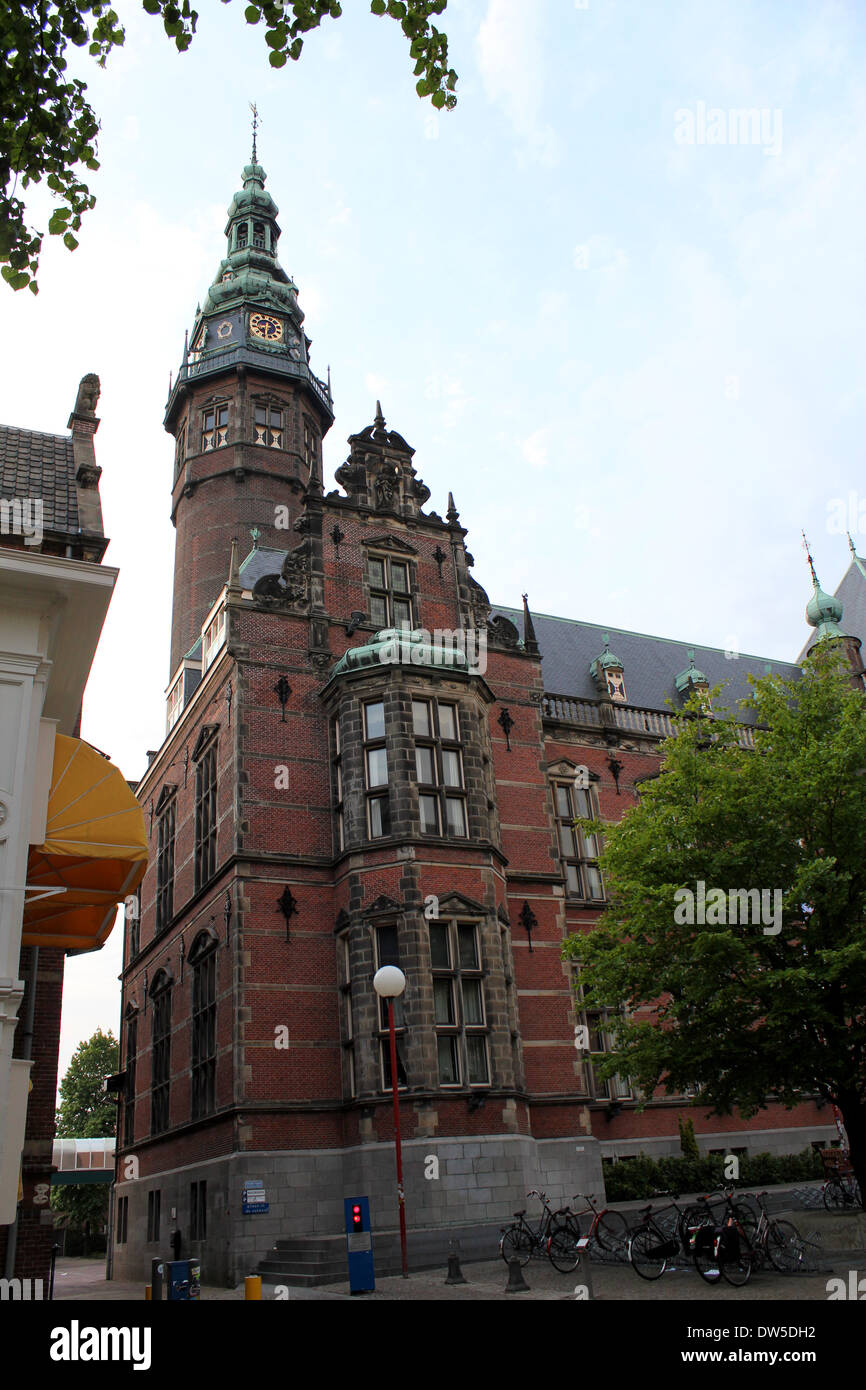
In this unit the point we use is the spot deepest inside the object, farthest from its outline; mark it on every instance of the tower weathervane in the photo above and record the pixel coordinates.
(809, 556)
(255, 111)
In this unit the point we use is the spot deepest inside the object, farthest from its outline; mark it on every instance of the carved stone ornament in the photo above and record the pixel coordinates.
(386, 487)
(292, 585)
(503, 630)
(480, 603)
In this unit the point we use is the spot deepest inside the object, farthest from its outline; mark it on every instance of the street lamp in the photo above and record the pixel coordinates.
(389, 983)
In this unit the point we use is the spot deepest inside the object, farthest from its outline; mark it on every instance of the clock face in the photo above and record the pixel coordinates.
(266, 327)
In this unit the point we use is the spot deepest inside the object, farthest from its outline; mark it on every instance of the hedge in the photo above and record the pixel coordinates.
(642, 1176)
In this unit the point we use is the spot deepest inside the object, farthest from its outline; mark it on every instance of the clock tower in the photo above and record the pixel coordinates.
(246, 411)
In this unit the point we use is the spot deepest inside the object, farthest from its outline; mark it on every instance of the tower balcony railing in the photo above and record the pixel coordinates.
(570, 709)
(221, 359)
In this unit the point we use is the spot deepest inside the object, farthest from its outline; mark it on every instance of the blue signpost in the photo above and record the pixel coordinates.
(359, 1244)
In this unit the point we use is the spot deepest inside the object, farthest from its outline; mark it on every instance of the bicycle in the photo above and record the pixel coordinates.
(841, 1191)
(608, 1229)
(781, 1243)
(654, 1243)
(724, 1250)
(519, 1241)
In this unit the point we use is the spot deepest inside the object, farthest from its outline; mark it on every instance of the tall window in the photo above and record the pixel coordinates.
(212, 639)
(337, 768)
(133, 923)
(259, 235)
(390, 595)
(458, 1004)
(179, 449)
(439, 768)
(153, 1205)
(268, 426)
(599, 1038)
(350, 1083)
(165, 866)
(214, 427)
(388, 953)
(198, 1211)
(122, 1220)
(309, 444)
(376, 771)
(161, 1056)
(205, 817)
(203, 959)
(129, 1092)
(578, 850)
(243, 233)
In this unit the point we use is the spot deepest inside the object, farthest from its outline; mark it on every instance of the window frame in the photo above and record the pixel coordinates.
(160, 1059)
(165, 839)
(438, 745)
(154, 1215)
(206, 815)
(198, 1210)
(460, 1031)
(374, 793)
(594, 1019)
(129, 1086)
(214, 435)
(203, 1033)
(269, 435)
(580, 861)
(387, 594)
(384, 956)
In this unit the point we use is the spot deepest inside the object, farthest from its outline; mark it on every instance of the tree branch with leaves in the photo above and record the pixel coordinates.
(48, 129)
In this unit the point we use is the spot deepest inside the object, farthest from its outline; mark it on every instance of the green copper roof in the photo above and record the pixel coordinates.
(401, 647)
(607, 661)
(691, 677)
(250, 269)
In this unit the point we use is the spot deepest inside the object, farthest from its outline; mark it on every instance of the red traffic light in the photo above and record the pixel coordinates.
(356, 1215)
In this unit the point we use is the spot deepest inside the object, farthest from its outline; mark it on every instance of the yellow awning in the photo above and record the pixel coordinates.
(95, 849)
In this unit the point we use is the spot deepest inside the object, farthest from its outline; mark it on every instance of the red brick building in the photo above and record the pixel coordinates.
(329, 799)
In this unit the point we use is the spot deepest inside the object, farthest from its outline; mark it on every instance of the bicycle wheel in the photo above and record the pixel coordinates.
(516, 1244)
(646, 1253)
(785, 1247)
(562, 1249)
(704, 1254)
(612, 1233)
(834, 1195)
(736, 1257)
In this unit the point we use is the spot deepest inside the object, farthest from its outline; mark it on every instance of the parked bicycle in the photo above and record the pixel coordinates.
(841, 1191)
(608, 1229)
(664, 1234)
(521, 1241)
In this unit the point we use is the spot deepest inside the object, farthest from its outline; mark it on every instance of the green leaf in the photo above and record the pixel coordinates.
(252, 14)
(70, 241)
(378, 6)
(277, 60)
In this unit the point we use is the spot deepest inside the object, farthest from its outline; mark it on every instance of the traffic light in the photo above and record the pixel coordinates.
(357, 1221)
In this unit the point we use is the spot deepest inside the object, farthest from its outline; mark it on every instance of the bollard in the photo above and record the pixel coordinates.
(516, 1282)
(455, 1274)
(148, 1293)
(583, 1272)
(253, 1286)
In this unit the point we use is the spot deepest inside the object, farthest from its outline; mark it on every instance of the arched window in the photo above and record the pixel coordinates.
(243, 232)
(259, 235)
(160, 993)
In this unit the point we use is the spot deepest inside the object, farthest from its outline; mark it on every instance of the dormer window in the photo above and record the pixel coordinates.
(213, 637)
(259, 235)
(607, 672)
(175, 702)
(390, 601)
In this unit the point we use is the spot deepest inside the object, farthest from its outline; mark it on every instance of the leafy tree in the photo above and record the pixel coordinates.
(746, 1013)
(85, 1111)
(48, 129)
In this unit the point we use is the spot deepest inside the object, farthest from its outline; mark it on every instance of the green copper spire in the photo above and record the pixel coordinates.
(823, 611)
(691, 678)
(250, 269)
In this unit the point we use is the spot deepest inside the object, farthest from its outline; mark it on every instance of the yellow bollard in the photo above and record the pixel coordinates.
(253, 1286)
(148, 1293)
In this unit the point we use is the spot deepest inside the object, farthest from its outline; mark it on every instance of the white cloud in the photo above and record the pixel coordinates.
(511, 58)
(535, 448)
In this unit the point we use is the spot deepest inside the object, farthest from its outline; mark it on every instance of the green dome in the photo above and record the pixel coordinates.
(401, 647)
(822, 608)
(607, 661)
(691, 677)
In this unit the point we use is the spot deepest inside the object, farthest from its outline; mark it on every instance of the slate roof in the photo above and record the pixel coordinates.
(650, 664)
(259, 563)
(39, 465)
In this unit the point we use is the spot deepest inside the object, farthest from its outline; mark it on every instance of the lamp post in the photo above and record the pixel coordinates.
(389, 983)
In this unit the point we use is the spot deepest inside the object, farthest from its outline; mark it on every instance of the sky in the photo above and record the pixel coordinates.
(623, 325)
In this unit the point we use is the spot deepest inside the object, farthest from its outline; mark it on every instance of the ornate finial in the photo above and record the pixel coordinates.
(809, 557)
(255, 533)
(255, 112)
(851, 546)
(530, 642)
(379, 421)
(452, 513)
(234, 584)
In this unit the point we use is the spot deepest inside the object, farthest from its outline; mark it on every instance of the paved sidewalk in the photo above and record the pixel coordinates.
(84, 1280)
